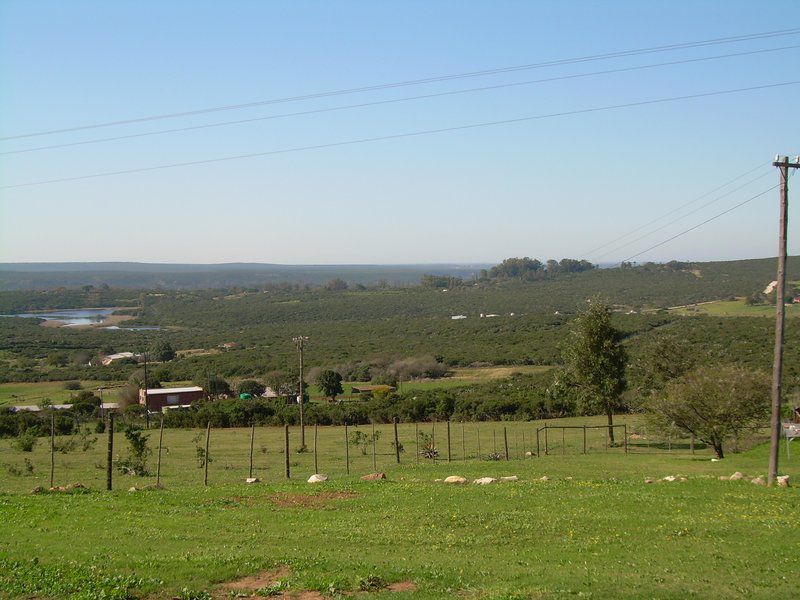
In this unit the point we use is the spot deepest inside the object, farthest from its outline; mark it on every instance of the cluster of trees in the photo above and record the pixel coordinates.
(440, 281)
(532, 269)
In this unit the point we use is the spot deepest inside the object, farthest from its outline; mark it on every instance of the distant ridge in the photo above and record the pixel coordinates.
(49, 275)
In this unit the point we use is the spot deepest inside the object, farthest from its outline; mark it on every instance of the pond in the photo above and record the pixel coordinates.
(80, 317)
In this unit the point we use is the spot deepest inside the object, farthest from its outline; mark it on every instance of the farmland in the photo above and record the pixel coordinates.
(595, 528)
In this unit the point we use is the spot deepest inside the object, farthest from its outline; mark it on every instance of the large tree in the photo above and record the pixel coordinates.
(594, 362)
(330, 382)
(714, 403)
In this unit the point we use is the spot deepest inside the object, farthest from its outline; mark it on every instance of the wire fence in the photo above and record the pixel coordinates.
(119, 452)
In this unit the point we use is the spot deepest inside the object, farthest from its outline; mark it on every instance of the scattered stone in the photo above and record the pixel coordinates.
(758, 481)
(783, 481)
(736, 476)
(485, 480)
(529, 453)
(714, 460)
(724, 478)
(373, 477)
(567, 478)
(317, 478)
(648, 480)
(252, 480)
(455, 479)
(437, 480)
(133, 489)
(669, 478)
(683, 478)
(39, 489)
(509, 478)
(544, 478)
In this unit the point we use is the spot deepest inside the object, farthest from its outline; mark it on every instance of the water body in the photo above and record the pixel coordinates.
(80, 316)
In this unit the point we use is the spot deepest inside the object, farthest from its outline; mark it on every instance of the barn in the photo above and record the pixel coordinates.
(158, 398)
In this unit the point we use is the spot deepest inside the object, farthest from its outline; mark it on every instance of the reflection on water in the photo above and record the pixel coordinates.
(80, 316)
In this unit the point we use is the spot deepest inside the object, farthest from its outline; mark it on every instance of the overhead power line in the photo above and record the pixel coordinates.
(396, 100)
(400, 135)
(680, 218)
(685, 231)
(591, 252)
(411, 82)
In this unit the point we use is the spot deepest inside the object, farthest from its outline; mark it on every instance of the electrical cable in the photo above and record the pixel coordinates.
(717, 216)
(680, 218)
(437, 79)
(395, 100)
(673, 211)
(398, 135)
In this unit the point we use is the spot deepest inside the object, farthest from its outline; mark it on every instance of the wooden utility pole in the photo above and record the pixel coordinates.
(300, 341)
(286, 450)
(52, 447)
(396, 442)
(783, 164)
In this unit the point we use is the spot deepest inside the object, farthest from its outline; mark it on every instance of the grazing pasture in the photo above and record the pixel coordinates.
(593, 527)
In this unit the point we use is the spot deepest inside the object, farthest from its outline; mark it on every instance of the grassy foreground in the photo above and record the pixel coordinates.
(595, 529)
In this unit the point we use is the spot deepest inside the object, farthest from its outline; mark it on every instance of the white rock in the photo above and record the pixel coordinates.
(758, 481)
(485, 480)
(529, 453)
(737, 476)
(648, 480)
(133, 489)
(509, 478)
(669, 478)
(455, 479)
(252, 480)
(783, 480)
(544, 478)
(714, 460)
(317, 478)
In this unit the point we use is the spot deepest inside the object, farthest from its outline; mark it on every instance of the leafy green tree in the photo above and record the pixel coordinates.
(714, 403)
(162, 351)
(657, 363)
(330, 382)
(336, 285)
(595, 360)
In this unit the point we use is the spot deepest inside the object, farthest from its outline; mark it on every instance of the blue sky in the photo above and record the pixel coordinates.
(549, 188)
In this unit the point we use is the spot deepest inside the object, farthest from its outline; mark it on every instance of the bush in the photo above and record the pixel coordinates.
(26, 441)
(72, 385)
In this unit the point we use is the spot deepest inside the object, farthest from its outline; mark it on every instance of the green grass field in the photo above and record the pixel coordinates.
(21, 394)
(735, 308)
(595, 529)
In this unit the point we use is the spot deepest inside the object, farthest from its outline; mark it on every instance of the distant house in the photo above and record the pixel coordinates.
(107, 360)
(158, 398)
(458, 317)
(369, 390)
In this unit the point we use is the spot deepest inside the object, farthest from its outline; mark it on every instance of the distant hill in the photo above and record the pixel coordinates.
(43, 276)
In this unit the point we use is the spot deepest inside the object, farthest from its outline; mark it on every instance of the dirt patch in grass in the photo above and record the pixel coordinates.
(321, 500)
(256, 582)
(402, 586)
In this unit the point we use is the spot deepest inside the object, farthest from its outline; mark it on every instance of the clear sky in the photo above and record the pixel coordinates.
(547, 188)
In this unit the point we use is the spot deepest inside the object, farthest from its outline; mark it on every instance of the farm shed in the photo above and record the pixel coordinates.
(158, 398)
(368, 390)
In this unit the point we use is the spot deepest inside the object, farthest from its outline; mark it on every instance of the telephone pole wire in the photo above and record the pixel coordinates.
(783, 164)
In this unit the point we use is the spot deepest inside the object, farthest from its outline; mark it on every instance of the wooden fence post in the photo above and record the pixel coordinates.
(316, 464)
(537, 442)
(478, 432)
(286, 450)
(448, 441)
(524, 444)
(110, 455)
(374, 458)
(205, 470)
(563, 441)
(463, 443)
(160, 444)
(396, 442)
(625, 433)
(52, 447)
(416, 441)
(584, 439)
(433, 441)
(505, 440)
(252, 440)
(546, 449)
(346, 450)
